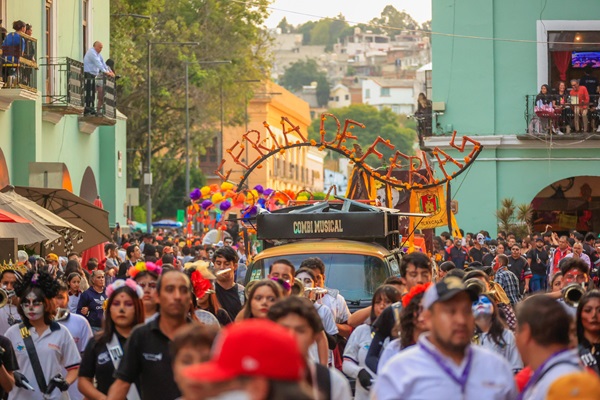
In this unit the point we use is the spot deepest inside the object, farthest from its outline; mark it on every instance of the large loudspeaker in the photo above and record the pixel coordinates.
(8, 250)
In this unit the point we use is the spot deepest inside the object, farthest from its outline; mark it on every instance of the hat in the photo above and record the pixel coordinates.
(539, 239)
(201, 266)
(578, 385)
(234, 357)
(52, 257)
(126, 245)
(446, 289)
(167, 250)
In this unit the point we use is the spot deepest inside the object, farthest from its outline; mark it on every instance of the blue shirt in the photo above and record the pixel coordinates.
(414, 374)
(93, 63)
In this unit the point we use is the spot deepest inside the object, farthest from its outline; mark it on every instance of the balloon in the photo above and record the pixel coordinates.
(206, 204)
(217, 197)
(261, 202)
(205, 191)
(195, 194)
(268, 192)
(302, 198)
(224, 206)
(252, 196)
(214, 188)
(226, 186)
(259, 189)
(239, 199)
(229, 194)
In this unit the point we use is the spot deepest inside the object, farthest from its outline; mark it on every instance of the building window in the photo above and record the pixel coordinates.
(3, 17)
(385, 92)
(49, 22)
(367, 93)
(347, 97)
(337, 98)
(85, 15)
(211, 155)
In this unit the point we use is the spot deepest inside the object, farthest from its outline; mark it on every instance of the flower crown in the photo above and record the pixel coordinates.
(201, 284)
(416, 290)
(42, 280)
(119, 283)
(20, 269)
(144, 266)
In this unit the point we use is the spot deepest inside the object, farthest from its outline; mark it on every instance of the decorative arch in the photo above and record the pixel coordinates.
(4, 177)
(66, 179)
(89, 189)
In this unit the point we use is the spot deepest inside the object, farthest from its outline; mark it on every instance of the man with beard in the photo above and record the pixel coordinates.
(147, 355)
(230, 294)
(537, 258)
(443, 364)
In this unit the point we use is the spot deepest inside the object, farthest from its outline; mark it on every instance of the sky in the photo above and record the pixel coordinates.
(355, 11)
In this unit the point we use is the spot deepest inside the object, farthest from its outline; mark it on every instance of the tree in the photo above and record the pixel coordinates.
(226, 31)
(299, 74)
(514, 218)
(382, 123)
(327, 31)
(392, 21)
(285, 26)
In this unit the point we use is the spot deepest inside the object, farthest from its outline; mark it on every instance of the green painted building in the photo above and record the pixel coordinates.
(45, 140)
(490, 59)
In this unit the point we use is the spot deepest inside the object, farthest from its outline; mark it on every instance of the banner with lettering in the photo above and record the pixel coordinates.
(430, 201)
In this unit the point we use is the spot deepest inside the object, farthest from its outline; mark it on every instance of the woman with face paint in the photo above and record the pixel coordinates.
(124, 310)
(491, 332)
(38, 333)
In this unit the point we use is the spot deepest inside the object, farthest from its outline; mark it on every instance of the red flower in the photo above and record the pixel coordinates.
(201, 285)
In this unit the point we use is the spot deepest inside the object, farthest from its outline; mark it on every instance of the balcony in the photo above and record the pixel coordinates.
(558, 119)
(63, 92)
(19, 69)
(100, 94)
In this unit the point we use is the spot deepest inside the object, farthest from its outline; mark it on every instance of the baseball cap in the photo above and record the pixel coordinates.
(51, 257)
(539, 239)
(578, 385)
(446, 289)
(254, 347)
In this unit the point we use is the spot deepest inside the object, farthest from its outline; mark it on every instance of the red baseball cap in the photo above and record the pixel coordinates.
(254, 347)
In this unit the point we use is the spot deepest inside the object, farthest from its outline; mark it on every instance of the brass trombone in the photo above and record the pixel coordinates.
(5, 295)
(573, 293)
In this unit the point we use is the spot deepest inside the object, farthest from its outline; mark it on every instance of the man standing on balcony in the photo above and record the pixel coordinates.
(581, 98)
(93, 66)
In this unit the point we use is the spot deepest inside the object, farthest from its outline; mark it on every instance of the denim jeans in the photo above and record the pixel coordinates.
(537, 283)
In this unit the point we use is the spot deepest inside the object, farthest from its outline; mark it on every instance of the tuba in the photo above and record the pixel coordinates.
(573, 293)
(5, 295)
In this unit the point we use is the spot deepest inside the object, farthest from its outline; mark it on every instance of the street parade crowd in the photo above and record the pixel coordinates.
(160, 317)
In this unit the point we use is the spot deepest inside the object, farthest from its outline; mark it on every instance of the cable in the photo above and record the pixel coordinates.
(251, 3)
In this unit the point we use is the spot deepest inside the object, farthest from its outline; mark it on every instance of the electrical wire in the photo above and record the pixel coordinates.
(442, 34)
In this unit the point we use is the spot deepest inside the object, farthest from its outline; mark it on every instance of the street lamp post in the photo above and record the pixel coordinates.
(187, 117)
(148, 174)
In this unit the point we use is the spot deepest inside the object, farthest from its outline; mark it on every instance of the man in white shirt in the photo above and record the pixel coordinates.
(543, 339)
(93, 66)
(443, 364)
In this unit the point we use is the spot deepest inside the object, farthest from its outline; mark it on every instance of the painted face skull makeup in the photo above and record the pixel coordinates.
(482, 307)
(33, 307)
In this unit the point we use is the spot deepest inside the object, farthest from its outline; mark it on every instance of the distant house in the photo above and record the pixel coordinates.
(339, 97)
(396, 94)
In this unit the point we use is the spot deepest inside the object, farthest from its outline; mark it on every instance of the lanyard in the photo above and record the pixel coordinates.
(538, 374)
(460, 380)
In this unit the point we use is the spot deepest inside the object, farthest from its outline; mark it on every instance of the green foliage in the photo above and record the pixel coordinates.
(392, 21)
(514, 218)
(285, 26)
(304, 72)
(139, 214)
(377, 123)
(225, 31)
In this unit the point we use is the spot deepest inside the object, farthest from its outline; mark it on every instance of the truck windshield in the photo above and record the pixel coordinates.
(356, 276)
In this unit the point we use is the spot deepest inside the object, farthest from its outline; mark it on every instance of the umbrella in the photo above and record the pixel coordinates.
(138, 226)
(167, 223)
(13, 226)
(83, 215)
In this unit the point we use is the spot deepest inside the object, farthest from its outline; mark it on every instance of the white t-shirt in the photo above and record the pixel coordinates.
(56, 350)
(389, 351)
(340, 387)
(414, 374)
(354, 357)
(73, 301)
(509, 351)
(336, 302)
(81, 331)
(329, 326)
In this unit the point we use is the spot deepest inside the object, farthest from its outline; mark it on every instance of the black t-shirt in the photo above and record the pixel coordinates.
(458, 255)
(386, 320)
(9, 360)
(223, 317)
(517, 266)
(147, 358)
(96, 363)
(229, 299)
(477, 254)
(539, 261)
(487, 259)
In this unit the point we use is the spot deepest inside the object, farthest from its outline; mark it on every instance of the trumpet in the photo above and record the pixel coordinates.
(5, 295)
(573, 293)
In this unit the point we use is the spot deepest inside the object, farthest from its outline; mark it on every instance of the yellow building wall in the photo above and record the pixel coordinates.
(270, 103)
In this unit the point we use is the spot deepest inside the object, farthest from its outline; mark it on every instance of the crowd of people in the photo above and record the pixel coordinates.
(566, 110)
(156, 318)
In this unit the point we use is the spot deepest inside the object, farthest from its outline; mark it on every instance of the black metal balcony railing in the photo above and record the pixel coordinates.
(100, 96)
(64, 84)
(558, 116)
(19, 66)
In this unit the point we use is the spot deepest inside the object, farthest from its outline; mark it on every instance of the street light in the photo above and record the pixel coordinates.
(148, 175)
(187, 117)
